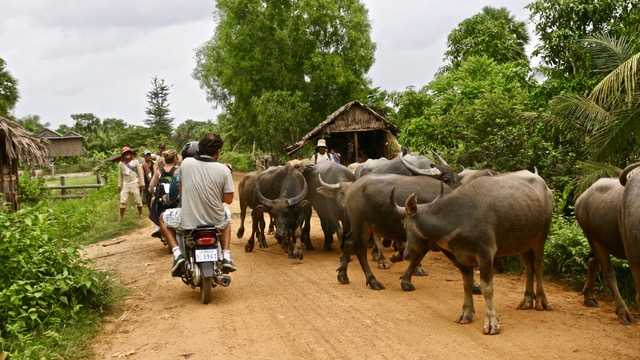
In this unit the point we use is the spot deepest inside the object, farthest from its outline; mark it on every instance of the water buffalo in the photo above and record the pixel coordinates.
(597, 211)
(366, 202)
(246, 193)
(630, 222)
(280, 191)
(501, 215)
(329, 212)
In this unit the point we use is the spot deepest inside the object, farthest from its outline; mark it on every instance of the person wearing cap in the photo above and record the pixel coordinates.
(321, 153)
(130, 181)
(158, 157)
(148, 168)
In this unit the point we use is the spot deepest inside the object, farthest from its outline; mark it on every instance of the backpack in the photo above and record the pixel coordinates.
(162, 185)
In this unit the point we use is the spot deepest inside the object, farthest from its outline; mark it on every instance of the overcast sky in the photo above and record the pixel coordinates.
(88, 56)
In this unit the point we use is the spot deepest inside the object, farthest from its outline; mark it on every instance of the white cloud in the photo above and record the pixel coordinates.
(78, 56)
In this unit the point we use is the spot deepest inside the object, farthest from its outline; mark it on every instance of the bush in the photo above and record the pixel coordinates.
(29, 189)
(241, 162)
(44, 282)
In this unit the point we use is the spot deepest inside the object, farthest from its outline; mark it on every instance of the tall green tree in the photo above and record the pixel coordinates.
(193, 130)
(85, 124)
(320, 49)
(494, 32)
(9, 94)
(158, 113)
(33, 123)
(560, 25)
(608, 118)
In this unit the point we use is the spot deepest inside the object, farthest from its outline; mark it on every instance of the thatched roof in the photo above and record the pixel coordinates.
(344, 120)
(19, 144)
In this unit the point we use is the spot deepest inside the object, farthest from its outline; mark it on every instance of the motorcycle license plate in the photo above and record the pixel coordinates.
(206, 255)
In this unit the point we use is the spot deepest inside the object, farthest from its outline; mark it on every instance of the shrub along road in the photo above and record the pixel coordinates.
(277, 308)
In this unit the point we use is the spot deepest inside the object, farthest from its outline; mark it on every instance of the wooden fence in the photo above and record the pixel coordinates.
(63, 188)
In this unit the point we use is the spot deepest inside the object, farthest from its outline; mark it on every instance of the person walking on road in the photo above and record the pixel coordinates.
(130, 181)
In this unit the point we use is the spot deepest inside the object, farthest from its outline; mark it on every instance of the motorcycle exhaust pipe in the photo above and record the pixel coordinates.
(223, 280)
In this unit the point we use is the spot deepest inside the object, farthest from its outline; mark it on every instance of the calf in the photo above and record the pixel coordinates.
(491, 216)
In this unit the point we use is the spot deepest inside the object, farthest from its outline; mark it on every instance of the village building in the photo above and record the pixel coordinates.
(356, 132)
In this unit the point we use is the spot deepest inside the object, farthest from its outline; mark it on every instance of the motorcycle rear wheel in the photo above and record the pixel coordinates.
(205, 289)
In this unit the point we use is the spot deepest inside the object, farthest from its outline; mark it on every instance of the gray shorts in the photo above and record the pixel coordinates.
(172, 218)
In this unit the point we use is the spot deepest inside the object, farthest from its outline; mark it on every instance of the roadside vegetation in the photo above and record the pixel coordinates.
(572, 116)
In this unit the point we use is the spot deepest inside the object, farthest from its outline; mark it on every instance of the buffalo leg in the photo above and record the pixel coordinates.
(360, 250)
(243, 213)
(593, 265)
(466, 316)
(380, 258)
(306, 229)
(491, 324)
(397, 256)
(408, 273)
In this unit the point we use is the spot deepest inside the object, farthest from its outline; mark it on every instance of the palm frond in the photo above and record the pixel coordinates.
(611, 141)
(579, 111)
(589, 172)
(608, 52)
(621, 83)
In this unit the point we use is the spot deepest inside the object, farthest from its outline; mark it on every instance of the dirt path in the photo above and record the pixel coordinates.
(277, 308)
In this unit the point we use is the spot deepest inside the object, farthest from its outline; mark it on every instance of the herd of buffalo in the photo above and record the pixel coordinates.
(418, 205)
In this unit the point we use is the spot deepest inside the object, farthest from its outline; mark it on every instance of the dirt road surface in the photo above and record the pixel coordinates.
(278, 308)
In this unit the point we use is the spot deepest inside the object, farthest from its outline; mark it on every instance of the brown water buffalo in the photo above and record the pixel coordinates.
(630, 221)
(366, 202)
(597, 211)
(501, 215)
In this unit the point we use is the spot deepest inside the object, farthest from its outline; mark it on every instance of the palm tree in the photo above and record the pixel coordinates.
(609, 118)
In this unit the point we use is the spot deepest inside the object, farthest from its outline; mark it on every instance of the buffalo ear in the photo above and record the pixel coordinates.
(411, 205)
(324, 191)
(303, 203)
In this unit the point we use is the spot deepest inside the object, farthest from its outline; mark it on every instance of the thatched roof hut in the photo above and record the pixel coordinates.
(352, 130)
(17, 145)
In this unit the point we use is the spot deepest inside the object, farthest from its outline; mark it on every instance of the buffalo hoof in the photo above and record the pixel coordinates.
(591, 303)
(526, 303)
(309, 247)
(625, 317)
(396, 257)
(465, 318)
(270, 231)
(343, 278)
(295, 255)
(476, 289)
(491, 329)
(383, 265)
(420, 271)
(407, 286)
(327, 248)
(240, 233)
(263, 245)
(375, 285)
(248, 247)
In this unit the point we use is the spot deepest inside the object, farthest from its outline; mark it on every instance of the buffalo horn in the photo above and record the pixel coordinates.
(296, 199)
(627, 173)
(327, 185)
(415, 170)
(263, 200)
(438, 157)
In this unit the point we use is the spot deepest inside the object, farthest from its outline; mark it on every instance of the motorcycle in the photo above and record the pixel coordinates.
(203, 255)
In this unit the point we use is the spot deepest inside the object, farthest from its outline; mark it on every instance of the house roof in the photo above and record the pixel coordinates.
(380, 122)
(18, 143)
(54, 135)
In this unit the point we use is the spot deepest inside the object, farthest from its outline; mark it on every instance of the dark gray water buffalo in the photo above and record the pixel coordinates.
(630, 221)
(491, 216)
(366, 202)
(329, 212)
(280, 191)
(597, 211)
(246, 194)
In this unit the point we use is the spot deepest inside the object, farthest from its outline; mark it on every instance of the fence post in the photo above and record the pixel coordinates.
(62, 191)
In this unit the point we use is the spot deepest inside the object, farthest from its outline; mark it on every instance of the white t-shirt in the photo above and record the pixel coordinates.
(203, 187)
(318, 158)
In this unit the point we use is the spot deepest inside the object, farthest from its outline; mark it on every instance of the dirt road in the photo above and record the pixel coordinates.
(277, 308)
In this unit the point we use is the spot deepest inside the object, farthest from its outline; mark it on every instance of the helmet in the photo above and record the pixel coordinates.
(190, 149)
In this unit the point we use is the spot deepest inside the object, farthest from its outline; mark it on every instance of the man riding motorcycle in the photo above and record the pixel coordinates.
(205, 187)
